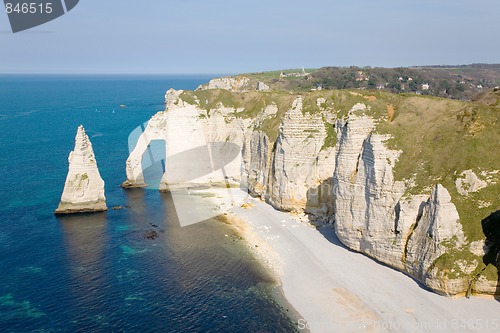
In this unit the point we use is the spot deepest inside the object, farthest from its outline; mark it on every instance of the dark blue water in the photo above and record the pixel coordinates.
(99, 273)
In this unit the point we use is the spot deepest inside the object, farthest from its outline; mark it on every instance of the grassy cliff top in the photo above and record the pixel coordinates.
(439, 138)
(455, 82)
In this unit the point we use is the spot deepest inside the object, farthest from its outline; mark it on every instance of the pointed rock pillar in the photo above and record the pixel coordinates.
(84, 188)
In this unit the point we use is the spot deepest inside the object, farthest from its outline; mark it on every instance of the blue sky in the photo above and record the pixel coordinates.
(220, 36)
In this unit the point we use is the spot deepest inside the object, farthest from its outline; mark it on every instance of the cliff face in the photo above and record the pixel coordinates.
(374, 216)
(333, 154)
(202, 146)
(84, 188)
(238, 83)
(298, 165)
(437, 231)
(366, 194)
(289, 173)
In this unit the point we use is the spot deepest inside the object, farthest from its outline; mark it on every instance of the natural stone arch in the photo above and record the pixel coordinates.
(155, 130)
(191, 158)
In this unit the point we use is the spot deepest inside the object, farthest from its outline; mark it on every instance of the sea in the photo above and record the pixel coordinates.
(101, 272)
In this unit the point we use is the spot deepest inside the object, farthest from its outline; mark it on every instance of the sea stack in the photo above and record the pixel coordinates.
(84, 188)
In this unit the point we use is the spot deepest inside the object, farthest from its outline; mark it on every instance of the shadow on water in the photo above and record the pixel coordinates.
(145, 216)
(491, 229)
(135, 200)
(86, 238)
(216, 274)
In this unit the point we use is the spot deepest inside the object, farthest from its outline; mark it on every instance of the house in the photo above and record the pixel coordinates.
(425, 86)
(297, 74)
(361, 76)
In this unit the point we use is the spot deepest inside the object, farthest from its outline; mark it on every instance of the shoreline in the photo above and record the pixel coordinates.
(267, 257)
(333, 288)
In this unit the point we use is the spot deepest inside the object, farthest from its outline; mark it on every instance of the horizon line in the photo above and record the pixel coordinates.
(241, 72)
(104, 73)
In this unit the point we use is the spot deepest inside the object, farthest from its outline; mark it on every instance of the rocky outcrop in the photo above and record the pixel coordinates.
(238, 83)
(436, 232)
(297, 164)
(261, 86)
(468, 182)
(84, 188)
(375, 215)
(366, 195)
(201, 147)
(328, 165)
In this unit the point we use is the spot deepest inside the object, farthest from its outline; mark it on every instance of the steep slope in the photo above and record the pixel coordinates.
(407, 179)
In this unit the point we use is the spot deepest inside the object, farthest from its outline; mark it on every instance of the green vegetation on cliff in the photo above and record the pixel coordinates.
(438, 138)
(456, 82)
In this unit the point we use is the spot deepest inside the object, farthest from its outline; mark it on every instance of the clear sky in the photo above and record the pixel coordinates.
(222, 36)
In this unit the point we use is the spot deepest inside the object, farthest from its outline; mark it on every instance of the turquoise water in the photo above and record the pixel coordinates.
(99, 273)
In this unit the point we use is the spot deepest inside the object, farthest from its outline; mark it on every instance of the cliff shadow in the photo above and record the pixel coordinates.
(320, 200)
(144, 218)
(491, 229)
(153, 163)
(319, 210)
(86, 238)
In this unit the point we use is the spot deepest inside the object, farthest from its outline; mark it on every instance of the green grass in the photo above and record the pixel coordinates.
(490, 273)
(439, 139)
(265, 76)
(331, 136)
(447, 263)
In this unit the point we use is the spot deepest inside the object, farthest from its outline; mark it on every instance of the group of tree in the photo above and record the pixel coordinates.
(457, 82)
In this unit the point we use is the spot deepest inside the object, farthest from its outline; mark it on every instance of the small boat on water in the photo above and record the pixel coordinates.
(123, 106)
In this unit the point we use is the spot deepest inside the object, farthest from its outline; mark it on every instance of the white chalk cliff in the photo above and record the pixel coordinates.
(350, 180)
(373, 215)
(238, 83)
(84, 188)
(300, 167)
(188, 130)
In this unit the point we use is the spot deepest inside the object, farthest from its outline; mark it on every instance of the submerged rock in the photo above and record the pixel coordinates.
(151, 234)
(84, 188)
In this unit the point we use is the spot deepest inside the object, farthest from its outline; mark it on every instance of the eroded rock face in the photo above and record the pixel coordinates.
(297, 163)
(257, 163)
(293, 173)
(436, 232)
(239, 83)
(374, 215)
(354, 181)
(368, 215)
(201, 148)
(84, 188)
(468, 182)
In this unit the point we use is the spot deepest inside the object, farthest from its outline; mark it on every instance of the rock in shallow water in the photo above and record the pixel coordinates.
(84, 188)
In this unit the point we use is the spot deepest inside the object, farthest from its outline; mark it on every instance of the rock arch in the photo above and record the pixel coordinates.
(190, 156)
(154, 130)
